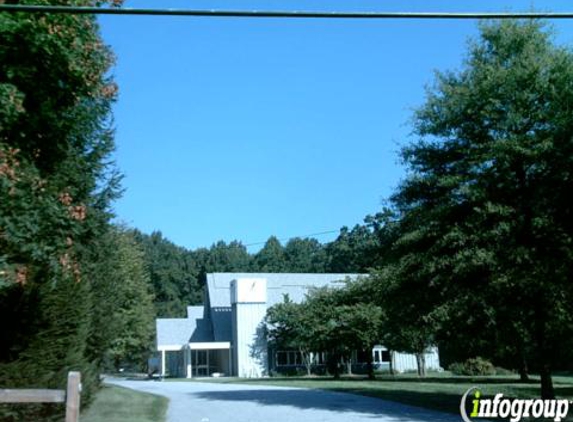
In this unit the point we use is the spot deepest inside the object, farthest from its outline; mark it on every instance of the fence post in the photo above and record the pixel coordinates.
(73, 397)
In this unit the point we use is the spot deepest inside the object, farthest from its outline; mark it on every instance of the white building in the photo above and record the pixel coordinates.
(223, 337)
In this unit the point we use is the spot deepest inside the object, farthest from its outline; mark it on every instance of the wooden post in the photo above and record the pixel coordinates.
(73, 397)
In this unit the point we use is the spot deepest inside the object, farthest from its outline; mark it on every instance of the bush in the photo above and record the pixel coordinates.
(473, 366)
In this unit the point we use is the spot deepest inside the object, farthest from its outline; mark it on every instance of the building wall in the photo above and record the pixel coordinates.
(249, 345)
(248, 298)
(404, 362)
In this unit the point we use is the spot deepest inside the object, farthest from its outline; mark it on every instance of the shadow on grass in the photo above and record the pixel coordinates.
(343, 403)
(408, 379)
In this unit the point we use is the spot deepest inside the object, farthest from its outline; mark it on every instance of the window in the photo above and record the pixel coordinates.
(289, 357)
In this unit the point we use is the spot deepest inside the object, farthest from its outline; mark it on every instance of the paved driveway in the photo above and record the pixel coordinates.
(215, 402)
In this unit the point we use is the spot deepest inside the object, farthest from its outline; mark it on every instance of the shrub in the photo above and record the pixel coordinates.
(473, 366)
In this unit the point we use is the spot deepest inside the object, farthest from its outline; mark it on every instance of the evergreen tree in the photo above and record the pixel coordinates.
(353, 251)
(305, 256)
(122, 313)
(56, 182)
(271, 258)
(485, 209)
(174, 274)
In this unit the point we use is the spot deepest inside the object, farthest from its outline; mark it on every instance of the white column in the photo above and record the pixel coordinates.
(163, 363)
(188, 359)
(248, 300)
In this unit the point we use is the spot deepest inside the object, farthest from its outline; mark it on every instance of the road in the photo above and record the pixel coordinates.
(217, 402)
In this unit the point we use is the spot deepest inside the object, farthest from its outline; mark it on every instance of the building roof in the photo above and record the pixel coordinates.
(180, 331)
(173, 331)
(296, 285)
(213, 321)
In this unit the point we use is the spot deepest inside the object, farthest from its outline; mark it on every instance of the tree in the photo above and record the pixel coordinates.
(353, 251)
(289, 326)
(174, 274)
(123, 314)
(488, 187)
(408, 305)
(271, 258)
(343, 323)
(305, 256)
(231, 257)
(56, 184)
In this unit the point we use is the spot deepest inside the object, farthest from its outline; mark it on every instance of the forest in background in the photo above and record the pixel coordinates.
(177, 275)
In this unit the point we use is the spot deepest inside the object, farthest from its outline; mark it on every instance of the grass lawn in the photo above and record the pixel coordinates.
(116, 404)
(440, 392)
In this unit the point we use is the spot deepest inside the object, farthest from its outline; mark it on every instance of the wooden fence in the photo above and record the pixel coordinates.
(71, 396)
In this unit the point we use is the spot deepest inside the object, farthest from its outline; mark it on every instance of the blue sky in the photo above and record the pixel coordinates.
(238, 129)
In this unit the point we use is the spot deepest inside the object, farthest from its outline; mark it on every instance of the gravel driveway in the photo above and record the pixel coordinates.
(216, 402)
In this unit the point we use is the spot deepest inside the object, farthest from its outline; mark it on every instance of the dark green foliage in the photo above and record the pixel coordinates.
(473, 366)
(330, 320)
(178, 274)
(289, 326)
(122, 312)
(271, 258)
(363, 248)
(485, 222)
(56, 183)
(174, 274)
(305, 256)
(223, 257)
(343, 323)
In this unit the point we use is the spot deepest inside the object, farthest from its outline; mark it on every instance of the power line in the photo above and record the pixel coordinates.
(281, 14)
(293, 237)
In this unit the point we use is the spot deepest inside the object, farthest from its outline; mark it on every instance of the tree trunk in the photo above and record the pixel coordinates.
(307, 359)
(523, 370)
(336, 369)
(349, 365)
(421, 363)
(547, 391)
(334, 365)
(391, 366)
(370, 367)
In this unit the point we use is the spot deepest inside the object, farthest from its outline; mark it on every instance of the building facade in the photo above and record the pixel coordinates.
(225, 336)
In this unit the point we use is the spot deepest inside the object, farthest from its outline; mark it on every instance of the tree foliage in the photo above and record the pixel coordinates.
(174, 274)
(122, 311)
(485, 215)
(331, 320)
(56, 184)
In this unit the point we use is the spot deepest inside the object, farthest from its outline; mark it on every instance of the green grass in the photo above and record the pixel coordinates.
(439, 392)
(116, 404)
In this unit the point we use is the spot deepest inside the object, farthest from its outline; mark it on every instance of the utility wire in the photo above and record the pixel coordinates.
(281, 14)
(293, 237)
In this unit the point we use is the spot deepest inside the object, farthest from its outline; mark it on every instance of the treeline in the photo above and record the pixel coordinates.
(178, 275)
